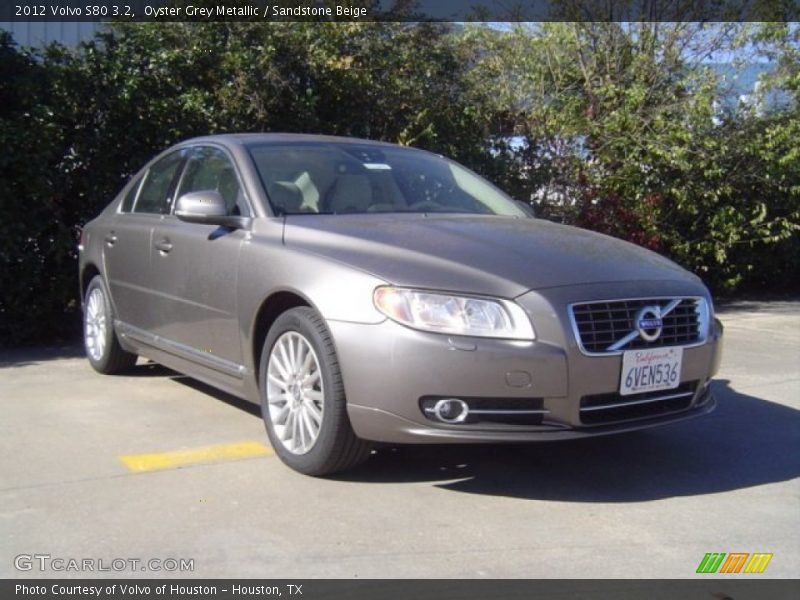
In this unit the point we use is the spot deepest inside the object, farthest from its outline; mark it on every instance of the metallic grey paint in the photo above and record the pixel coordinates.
(190, 296)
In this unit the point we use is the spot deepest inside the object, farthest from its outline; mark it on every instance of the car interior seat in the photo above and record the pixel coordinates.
(309, 191)
(352, 193)
(286, 197)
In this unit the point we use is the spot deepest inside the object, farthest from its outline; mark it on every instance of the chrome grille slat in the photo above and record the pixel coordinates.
(600, 325)
(600, 409)
(635, 402)
(509, 412)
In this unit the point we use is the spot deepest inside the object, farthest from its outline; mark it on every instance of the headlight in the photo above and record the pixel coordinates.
(459, 315)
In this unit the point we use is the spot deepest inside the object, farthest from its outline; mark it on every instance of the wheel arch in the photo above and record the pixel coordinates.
(89, 272)
(270, 309)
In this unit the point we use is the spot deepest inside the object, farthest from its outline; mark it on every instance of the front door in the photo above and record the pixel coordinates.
(195, 268)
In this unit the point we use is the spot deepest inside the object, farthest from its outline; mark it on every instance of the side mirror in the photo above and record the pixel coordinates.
(526, 208)
(208, 208)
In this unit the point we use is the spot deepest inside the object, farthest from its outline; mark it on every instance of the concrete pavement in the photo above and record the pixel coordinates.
(647, 504)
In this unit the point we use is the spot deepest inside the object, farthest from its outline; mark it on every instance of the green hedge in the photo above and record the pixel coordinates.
(721, 198)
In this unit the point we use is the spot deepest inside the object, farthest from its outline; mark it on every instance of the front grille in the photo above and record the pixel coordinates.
(507, 411)
(600, 325)
(611, 408)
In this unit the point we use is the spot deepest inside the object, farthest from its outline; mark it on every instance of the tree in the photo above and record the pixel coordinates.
(619, 129)
(77, 124)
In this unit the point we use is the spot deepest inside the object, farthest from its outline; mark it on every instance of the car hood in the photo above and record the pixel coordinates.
(477, 254)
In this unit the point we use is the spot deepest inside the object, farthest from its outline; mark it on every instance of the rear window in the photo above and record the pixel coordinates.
(130, 197)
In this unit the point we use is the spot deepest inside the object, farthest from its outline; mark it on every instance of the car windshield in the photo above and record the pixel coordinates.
(331, 178)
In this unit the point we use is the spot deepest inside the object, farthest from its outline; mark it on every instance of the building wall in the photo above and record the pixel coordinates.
(42, 33)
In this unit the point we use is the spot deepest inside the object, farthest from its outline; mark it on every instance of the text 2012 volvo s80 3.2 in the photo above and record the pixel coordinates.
(365, 292)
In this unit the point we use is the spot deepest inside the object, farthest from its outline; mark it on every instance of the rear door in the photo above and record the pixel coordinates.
(195, 267)
(128, 240)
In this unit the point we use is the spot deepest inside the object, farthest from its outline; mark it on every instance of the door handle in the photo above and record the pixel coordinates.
(164, 245)
(111, 238)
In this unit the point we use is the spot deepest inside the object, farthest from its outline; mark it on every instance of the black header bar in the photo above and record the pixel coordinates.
(741, 588)
(399, 10)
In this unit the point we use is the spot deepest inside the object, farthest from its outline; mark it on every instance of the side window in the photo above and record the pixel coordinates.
(157, 183)
(210, 168)
(130, 197)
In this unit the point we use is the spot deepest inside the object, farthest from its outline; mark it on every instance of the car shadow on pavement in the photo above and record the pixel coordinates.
(229, 399)
(150, 369)
(746, 442)
(26, 357)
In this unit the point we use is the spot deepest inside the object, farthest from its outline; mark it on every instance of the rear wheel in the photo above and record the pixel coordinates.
(302, 397)
(102, 347)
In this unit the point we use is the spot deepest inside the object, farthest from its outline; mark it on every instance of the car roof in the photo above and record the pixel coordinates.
(247, 139)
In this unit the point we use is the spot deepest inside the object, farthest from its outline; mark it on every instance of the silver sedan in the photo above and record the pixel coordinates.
(364, 292)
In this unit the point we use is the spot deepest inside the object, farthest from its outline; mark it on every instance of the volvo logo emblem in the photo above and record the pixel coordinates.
(649, 323)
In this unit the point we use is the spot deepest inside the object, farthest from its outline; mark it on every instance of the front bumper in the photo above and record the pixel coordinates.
(388, 370)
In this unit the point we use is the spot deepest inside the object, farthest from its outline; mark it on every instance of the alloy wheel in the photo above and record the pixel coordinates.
(95, 324)
(295, 392)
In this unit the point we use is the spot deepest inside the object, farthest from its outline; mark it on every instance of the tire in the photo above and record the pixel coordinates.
(99, 338)
(302, 397)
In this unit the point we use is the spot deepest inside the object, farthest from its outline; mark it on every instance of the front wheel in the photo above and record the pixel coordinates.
(102, 347)
(302, 397)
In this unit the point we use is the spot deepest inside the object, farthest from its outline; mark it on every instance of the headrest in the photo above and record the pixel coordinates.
(353, 193)
(285, 196)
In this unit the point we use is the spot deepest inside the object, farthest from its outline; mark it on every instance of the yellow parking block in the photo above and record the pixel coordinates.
(139, 463)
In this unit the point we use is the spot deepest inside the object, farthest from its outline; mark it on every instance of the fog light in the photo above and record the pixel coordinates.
(451, 410)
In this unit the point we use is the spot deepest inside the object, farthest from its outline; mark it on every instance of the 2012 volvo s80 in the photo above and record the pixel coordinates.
(365, 292)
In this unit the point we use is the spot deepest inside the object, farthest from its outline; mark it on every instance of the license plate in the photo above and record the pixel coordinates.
(650, 370)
